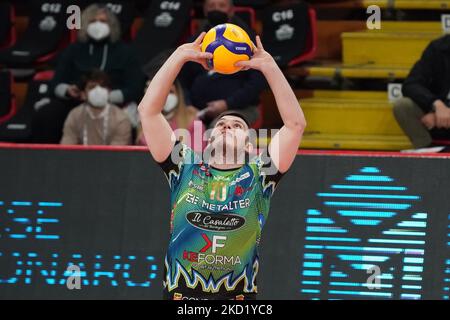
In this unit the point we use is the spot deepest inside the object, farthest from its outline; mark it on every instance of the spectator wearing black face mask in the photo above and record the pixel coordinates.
(214, 93)
(99, 46)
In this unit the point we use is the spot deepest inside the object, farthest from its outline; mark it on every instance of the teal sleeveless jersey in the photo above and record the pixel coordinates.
(216, 221)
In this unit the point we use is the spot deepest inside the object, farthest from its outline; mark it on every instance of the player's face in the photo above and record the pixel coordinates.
(230, 133)
(218, 5)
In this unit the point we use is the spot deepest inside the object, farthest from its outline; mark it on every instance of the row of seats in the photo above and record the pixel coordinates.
(292, 41)
(392, 4)
(15, 123)
(336, 119)
(364, 120)
(388, 53)
(351, 120)
(289, 49)
(409, 4)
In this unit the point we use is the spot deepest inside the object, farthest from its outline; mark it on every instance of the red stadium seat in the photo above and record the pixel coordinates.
(259, 122)
(7, 25)
(247, 14)
(311, 41)
(18, 128)
(163, 28)
(44, 37)
(289, 32)
(441, 142)
(8, 106)
(44, 75)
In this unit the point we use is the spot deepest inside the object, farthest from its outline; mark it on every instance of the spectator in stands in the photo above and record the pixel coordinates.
(424, 112)
(175, 110)
(96, 121)
(177, 114)
(99, 46)
(214, 93)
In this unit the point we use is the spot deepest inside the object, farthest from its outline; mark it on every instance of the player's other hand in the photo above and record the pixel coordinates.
(261, 59)
(429, 120)
(73, 92)
(442, 115)
(193, 52)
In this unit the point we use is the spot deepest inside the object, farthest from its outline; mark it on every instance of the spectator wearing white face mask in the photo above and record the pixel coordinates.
(175, 110)
(96, 121)
(178, 115)
(99, 46)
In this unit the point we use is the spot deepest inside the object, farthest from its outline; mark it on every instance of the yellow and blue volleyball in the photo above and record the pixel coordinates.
(229, 44)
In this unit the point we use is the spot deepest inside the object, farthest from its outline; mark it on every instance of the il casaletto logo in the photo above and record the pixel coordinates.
(215, 222)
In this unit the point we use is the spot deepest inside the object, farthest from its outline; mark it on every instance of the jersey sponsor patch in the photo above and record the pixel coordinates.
(215, 222)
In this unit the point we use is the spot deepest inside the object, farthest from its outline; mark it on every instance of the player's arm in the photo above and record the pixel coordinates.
(157, 131)
(284, 145)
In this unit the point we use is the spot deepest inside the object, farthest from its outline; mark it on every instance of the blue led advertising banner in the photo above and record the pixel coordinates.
(340, 227)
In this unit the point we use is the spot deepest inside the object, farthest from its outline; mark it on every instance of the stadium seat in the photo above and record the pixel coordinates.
(7, 100)
(387, 4)
(369, 54)
(289, 33)
(247, 14)
(360, 71)
(259, 122)
(396, 44)
(18, 127)
(44, 75)
(441, 142)
(7, 28)
(351, 120)
(252, 3)
(164, 25)
(409, 4)
(44, 37)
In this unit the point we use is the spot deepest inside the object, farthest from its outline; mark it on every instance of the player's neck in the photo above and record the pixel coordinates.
(227, 161)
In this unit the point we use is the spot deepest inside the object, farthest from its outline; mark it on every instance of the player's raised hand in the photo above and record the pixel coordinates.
(261, 58)
(192, 52)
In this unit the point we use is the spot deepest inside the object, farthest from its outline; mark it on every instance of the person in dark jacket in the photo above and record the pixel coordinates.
(99, 46)
(424, 112)
(213, 93)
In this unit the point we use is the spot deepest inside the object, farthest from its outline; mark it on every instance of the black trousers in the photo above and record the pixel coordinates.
(48, 121)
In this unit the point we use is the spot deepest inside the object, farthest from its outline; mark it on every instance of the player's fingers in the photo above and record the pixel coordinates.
(424, 121)
(199, 39)
(205, 65)
(243, 64)
(204, 55)
(254, 48)
(259, 43)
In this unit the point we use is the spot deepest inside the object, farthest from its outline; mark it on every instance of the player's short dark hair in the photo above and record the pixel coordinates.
(234, 113)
